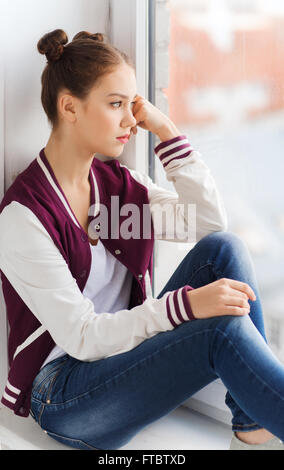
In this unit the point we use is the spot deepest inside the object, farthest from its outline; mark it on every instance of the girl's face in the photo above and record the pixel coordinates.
(102, 118)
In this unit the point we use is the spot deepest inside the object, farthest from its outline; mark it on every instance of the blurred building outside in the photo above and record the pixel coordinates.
(226, 93)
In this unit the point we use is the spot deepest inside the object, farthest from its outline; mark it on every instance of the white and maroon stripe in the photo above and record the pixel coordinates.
(173, 149)
(10, 394)
(178, 306)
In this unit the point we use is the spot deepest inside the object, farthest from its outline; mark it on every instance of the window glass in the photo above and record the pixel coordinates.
(226, 93)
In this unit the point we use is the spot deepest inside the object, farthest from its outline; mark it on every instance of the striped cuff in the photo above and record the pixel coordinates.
(187, 302)
(10, 395)
(177, 148)
(178, 306)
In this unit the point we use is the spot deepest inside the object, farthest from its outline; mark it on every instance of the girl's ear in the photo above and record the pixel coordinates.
(66, 107)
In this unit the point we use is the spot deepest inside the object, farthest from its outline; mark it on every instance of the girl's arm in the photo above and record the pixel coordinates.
(39, 274)
(196, 208)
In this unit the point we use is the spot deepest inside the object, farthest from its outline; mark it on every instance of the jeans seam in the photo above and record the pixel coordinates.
(255, 374)
(40, 414)
(50, 386)
(218, 274)
(244, 425)
(50, 433)
(198, 269)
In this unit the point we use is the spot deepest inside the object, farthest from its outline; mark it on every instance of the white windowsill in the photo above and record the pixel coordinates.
(181, 429)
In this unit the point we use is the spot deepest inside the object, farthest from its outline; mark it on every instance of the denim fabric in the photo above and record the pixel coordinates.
(103, 404)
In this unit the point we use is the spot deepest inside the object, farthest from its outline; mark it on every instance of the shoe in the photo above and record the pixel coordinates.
(273, 444)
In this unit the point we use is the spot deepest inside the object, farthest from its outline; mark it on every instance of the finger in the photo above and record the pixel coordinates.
(237, 293)
(243, 287)
(140, 99)
(237, 301)
(234, 310)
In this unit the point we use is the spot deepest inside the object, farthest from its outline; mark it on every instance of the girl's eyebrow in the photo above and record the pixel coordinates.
(120, 94)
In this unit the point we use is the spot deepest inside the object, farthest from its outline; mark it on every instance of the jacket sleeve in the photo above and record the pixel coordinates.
(196, 208)
(40, 275)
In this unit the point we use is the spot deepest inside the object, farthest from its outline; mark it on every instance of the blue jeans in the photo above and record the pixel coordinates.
(104, 403)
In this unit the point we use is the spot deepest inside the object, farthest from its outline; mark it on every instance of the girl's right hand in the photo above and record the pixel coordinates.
(222, 297)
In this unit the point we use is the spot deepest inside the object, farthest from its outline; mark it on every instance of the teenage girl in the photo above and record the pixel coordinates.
(110, 359)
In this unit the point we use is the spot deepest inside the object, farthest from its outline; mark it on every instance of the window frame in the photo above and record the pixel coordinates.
(134, 42)
(3, 319)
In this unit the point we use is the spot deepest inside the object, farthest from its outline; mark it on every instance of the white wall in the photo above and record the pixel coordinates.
(23, 22)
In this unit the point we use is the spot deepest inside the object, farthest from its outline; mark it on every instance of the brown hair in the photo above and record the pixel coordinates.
(76, 66)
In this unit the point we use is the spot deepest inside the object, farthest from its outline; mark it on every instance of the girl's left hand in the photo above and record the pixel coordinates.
(148, 116)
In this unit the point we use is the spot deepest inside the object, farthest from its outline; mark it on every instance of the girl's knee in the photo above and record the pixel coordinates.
(223, 238)
(236, 326)
(224, 241)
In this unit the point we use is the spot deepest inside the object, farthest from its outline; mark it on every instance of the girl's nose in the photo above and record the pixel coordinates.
(129, 120)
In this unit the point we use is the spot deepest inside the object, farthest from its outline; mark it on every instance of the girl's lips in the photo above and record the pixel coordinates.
(123, 140)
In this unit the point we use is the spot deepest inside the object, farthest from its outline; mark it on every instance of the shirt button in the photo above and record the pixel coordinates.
(117, 252)
(140, 276)
(83, 273)
(84, 237)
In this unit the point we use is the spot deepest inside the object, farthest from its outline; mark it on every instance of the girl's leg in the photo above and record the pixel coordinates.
(222, 255)
(218, 255)
(103, 404)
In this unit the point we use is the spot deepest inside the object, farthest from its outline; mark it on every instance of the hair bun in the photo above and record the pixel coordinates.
(85, 35)
(52, 44)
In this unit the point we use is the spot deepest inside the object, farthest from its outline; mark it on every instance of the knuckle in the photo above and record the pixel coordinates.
(237, 311)
(222, 290)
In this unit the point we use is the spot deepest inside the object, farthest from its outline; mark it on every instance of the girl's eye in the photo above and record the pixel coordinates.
(119, 102)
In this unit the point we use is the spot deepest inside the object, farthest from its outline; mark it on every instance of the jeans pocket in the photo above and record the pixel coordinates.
(41, 397)
(45, 379)
(40, 386)
(49, 385)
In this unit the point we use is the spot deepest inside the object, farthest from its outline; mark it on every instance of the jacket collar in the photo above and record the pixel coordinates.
(95, 193)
